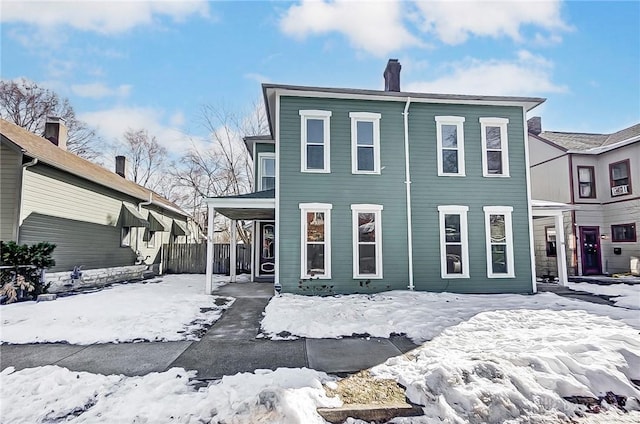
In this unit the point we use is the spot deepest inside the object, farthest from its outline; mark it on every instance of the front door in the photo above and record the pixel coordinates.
(267, 248)
(590, 242)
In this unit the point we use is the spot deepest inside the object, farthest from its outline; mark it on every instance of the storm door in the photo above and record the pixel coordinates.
(267, 248)
(590, 250)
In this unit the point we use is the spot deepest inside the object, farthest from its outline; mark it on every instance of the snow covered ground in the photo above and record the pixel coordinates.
(420, 315)
(172, 309)
(623, 295)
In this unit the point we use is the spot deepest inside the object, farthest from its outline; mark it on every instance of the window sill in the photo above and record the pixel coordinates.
(367, 277)
(501, 276)
(454, 276)
(316, 171)
(496, 175)
(365, 172)
(450, 175)
(315, 277)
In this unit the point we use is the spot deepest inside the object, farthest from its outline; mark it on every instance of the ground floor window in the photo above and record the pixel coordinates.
(623, 232)
(499, 240)
(550, 241)
(151, 238)
(454, 245)
(315, 228)
(367, 240)
(125, 237)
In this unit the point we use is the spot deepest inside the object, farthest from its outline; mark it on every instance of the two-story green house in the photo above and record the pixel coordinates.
(364, 191)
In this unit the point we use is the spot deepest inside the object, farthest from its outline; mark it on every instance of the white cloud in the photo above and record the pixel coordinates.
(527, 74)
(98, 90)
(113, 123)
(259, 78)
(375, 27)
(107, 17)
(454, 21)
(379, 27)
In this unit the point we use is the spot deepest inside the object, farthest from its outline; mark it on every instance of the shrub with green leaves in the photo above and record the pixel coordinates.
(22, 267)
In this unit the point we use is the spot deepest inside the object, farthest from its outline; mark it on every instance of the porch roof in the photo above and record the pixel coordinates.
(547, 208)
(250, 206)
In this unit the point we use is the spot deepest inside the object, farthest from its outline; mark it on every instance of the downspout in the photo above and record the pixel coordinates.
(407, 182)
(138, 228)
(33, 162)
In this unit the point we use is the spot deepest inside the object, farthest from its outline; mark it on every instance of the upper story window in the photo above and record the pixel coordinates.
(367, 241)
(499, 239)
(266, 171)
(495, 153)
(450, 139)
(365, 142)
(315, 226)
(586, 182)
(619, 178)
(315, 140)
(454, 245)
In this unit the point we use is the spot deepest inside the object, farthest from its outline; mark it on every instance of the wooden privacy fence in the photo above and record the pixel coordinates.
(192, 258)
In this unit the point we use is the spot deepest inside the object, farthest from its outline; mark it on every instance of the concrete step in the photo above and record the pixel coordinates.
(370, 413)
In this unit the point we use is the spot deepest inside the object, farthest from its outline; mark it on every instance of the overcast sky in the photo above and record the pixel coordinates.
(153, 64)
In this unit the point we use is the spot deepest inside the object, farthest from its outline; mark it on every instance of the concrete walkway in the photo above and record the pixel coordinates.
(230, 346)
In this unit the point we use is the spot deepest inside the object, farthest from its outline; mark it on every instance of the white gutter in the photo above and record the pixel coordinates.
(145, 203)
(407, 182)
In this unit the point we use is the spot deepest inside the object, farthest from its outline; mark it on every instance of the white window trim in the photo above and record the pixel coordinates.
(125, 237)
(261, 156)
(495, 122)
(458, 121)
(365, 117)
(464, 239)
(323, 115)
(326, 209)
(506, 211)
(377, 210)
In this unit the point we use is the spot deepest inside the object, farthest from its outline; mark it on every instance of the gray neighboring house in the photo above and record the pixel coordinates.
(98, 219)
(599, 176)
(362, 191)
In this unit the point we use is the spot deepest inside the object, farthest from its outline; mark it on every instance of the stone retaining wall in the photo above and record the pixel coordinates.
(62, 281)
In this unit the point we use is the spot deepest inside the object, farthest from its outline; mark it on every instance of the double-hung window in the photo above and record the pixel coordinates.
(497, 221)
(315, 138)
(495, 153)
(450, 140)
(454, 244)
(619, 178)
(365, 142)
(586, 182)
(315, 226)
(367, 241)
(267, 171)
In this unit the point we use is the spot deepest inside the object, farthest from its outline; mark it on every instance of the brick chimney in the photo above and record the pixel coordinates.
(121, 166)
(534, 125)
(55, 131)
(392, 75)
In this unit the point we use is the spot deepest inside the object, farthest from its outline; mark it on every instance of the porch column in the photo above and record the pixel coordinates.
(232, 253)
(210, 230)
(561, 252)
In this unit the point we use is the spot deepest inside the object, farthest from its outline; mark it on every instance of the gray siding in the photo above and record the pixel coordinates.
(10, 167)
(342, 189)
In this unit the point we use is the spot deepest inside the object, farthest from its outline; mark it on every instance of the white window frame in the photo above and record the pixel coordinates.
(125, 236)
(506, 211)
(377, 211)
(504, 143)
(151, 242)
(458, 121)
(464, 240)
(326, 209)
(261, 157)
(374, 118)
(325, 116)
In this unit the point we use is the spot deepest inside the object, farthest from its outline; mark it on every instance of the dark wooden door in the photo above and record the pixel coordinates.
(590, 250)
(267, 246)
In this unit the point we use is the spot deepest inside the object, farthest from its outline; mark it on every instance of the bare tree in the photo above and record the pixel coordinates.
(223, 166)
(28, 105)
(147, 160)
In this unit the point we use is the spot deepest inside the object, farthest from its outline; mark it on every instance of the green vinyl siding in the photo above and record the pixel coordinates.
(10, 176)
(260, 148)
(342, 189)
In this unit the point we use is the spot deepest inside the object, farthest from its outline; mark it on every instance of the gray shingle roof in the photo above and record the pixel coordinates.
(586, 141)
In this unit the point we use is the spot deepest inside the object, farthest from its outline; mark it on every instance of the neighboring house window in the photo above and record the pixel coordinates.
(315, 227)
(267, 171)
(495, 147)
(315, 140)
(550, 241)
(125, 237)
(365, 142)
(619, 177)
(623, 233)
(450, 139)
(454, 246)
(499, 235)
(151, 240)
(367, 241)
(586, 182)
